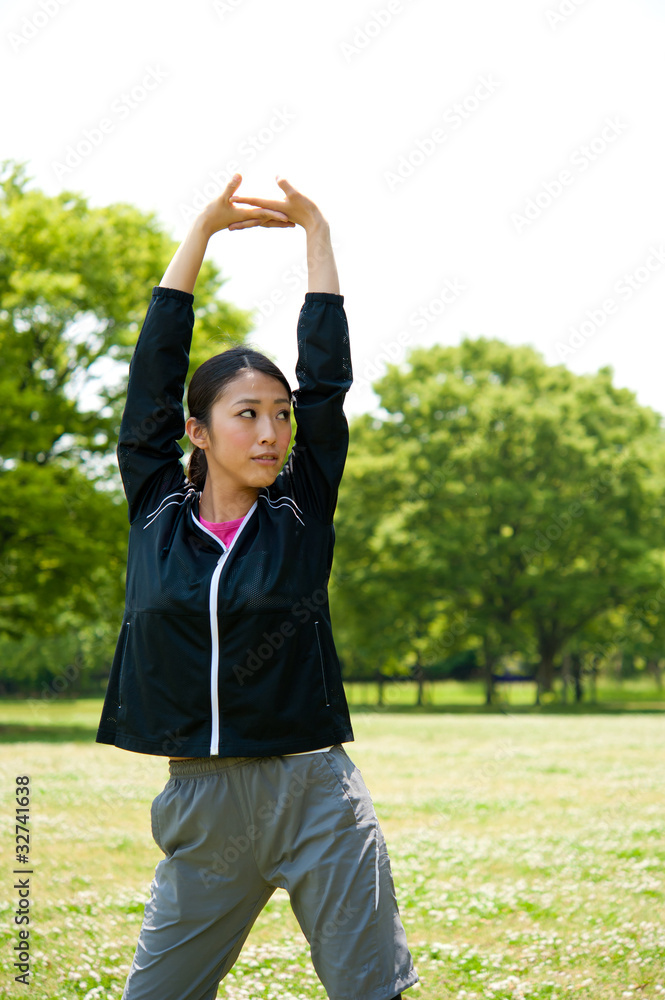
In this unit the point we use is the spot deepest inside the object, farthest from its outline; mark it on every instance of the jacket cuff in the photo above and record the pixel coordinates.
(160, 292)
(337, 300)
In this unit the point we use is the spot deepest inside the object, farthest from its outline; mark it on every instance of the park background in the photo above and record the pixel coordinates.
(493, 179)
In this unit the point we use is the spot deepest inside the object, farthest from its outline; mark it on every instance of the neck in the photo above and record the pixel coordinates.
(219, 504)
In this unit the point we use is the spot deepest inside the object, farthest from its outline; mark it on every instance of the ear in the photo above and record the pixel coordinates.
(197, 433)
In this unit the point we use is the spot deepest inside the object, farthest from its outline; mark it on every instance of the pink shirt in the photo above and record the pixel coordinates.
(225, 530)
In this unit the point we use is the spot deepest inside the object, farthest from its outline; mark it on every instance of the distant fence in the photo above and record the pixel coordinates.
(509, 689)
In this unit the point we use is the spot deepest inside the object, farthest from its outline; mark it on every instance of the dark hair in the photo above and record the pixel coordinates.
(208, 383)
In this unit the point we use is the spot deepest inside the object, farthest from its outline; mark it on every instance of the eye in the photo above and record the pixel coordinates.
(242, 413)
(284, 414)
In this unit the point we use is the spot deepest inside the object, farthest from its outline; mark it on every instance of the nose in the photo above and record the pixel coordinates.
(267, 431)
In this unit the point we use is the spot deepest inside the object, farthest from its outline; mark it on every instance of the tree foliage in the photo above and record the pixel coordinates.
(75, 283)
(497, 504)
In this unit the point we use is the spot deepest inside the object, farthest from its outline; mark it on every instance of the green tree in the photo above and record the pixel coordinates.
(630, 635)
(75, 283)
(519, 499)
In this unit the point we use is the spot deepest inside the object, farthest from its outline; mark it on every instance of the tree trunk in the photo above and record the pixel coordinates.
(594, 678)
(576, 666)
(655, 668)
(565, 677)
(545, 673)
(419, 674)
(490, 661)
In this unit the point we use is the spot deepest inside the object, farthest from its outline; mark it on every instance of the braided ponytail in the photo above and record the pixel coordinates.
(197, 468)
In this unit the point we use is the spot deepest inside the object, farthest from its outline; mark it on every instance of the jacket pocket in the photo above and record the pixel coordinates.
(323, 665)
(125, 640)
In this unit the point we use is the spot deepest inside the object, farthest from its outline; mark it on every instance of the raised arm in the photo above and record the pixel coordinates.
(153, 420)
(321, 267)
(314, 469)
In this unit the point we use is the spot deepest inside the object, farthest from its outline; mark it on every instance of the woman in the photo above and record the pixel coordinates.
(226, 661)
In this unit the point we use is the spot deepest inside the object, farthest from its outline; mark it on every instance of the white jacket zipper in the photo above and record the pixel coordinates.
(214, 626)
(214, 655)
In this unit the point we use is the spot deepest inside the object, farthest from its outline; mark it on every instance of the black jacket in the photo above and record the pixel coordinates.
(229, 651)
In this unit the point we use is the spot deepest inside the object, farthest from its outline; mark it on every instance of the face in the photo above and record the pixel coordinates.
(249, 433)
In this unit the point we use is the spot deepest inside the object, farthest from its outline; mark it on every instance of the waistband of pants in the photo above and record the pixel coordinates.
(210, 765)
(206, 765)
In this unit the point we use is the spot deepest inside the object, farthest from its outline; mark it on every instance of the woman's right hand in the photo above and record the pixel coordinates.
(223, 213)
(297, 207)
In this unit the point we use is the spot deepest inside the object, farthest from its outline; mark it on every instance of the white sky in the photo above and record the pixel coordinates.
(336, 112)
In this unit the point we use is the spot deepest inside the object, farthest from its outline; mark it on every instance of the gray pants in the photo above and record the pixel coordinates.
(233, 829)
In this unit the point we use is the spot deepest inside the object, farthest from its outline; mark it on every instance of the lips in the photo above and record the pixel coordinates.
(266, 459)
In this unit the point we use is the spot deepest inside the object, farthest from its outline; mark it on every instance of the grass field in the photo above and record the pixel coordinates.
(527, 852)
(611, 696)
